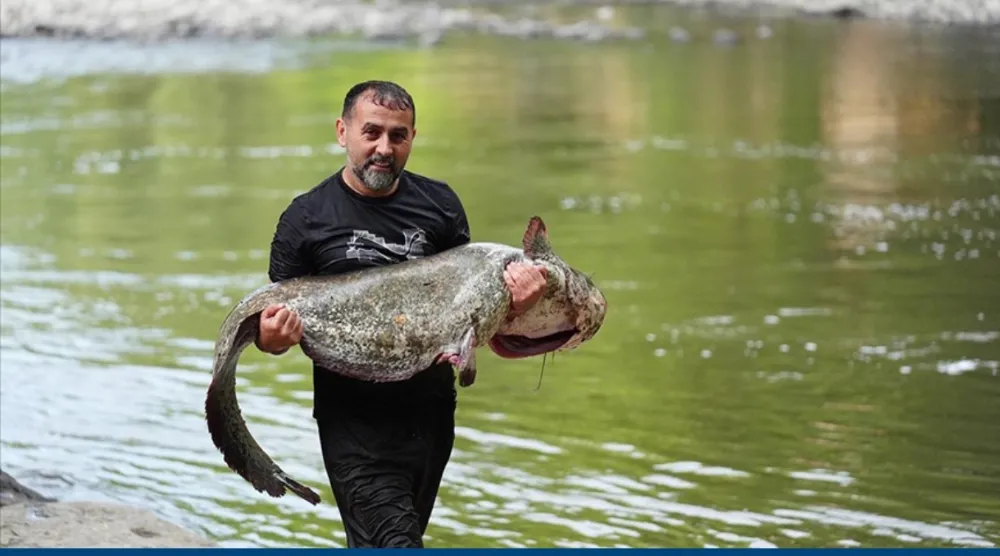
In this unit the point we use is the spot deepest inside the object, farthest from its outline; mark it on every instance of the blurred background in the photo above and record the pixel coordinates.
(794, 219)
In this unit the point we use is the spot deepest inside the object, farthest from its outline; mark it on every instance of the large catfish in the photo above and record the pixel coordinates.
(389, 323)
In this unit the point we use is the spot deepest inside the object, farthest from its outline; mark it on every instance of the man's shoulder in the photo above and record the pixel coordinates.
(320, 190)
(428, 183)
(439, 190)
(307, 201)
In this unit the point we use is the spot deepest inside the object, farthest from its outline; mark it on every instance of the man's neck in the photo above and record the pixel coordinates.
(355, 183)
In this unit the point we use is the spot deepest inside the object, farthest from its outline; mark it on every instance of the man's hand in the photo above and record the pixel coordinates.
(280, 328)
(526, 283)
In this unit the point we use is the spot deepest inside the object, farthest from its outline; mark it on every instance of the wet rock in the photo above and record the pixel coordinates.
(31, 519)
(13, 492)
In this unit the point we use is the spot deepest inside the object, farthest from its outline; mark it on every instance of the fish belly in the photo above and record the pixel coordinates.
(392, 329)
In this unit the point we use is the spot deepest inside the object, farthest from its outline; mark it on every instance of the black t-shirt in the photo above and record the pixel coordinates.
(332, 229)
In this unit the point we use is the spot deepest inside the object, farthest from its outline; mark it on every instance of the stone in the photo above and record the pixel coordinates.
(90, 525)
(29, 519)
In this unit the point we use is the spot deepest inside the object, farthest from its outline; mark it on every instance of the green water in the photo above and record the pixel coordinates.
(797, 237)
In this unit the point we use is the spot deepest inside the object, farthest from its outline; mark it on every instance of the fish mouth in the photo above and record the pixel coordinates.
(513, 346)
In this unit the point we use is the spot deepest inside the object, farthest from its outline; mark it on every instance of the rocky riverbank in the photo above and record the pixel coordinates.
(30, 519)
(152, 20)
(967, 12)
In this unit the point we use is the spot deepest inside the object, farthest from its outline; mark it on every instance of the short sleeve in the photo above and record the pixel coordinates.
(457, 231)
(289, 247)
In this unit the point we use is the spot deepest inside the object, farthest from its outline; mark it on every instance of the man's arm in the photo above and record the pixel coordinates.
(280, 328)
(288, 246)
(458, 232)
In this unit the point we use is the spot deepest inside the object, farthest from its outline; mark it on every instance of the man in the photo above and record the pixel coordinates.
(385, 446)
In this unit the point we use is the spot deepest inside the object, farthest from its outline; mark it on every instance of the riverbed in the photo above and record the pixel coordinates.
(795, 222)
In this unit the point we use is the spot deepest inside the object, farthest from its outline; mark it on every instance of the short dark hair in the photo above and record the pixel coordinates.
(383, 93)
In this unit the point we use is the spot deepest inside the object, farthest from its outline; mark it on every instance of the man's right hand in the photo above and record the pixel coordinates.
(280, 328)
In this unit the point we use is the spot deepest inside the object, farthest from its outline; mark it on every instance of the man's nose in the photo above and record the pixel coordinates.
(383, 147)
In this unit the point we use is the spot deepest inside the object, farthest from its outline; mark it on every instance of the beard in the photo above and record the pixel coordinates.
(378, 180)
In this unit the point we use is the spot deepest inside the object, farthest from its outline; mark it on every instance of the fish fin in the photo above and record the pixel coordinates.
(467, 376)
(299, 489)
(536, 238)
(464, 358)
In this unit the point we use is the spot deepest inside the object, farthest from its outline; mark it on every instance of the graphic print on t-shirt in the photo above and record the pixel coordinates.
(371, 248)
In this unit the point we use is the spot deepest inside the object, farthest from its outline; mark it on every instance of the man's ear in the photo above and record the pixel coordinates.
(341, 132)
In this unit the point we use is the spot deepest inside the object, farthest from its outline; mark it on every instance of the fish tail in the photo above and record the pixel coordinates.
(228, 429)
(299, 489)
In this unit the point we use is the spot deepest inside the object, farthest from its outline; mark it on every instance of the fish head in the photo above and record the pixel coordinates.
(570, 312)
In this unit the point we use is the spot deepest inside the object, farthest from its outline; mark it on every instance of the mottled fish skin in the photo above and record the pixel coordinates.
(389, 323)
(388, 326)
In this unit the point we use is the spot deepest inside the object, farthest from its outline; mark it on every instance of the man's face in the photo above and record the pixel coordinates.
(378, 142)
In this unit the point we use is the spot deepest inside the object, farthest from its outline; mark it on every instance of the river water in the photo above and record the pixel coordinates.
(797, 235)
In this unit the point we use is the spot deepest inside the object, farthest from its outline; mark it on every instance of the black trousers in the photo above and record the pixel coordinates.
(385, 461)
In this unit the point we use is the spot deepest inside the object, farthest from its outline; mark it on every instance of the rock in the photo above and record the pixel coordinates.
(13, 492)
(425, 22)
(89, 525)
(30, 519)
(968, 12)
(390, 20)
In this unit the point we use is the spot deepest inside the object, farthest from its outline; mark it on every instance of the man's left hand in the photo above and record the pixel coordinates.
(526, 283)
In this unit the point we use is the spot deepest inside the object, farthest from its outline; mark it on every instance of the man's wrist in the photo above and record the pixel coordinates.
(257, 343)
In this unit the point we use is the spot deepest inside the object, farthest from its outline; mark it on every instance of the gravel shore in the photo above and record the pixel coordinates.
(152, 20)
(30, 519)
(967, 12)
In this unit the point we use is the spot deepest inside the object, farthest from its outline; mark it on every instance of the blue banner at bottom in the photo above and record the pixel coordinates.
(649, 551)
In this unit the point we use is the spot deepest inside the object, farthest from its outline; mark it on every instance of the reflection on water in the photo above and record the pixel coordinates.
(799, 241)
